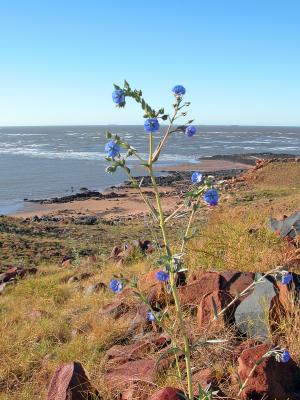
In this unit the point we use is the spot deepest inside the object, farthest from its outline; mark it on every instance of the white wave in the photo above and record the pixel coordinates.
(285, 148)
(24, 134)
(80, 155)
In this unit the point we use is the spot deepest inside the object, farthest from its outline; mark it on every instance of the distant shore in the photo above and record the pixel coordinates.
(124, 201)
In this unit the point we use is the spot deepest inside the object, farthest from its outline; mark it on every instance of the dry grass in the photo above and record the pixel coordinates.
(236, 238)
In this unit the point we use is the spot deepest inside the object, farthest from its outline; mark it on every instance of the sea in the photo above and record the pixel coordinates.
(47, 161)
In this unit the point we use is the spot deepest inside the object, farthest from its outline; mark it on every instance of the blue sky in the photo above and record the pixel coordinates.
(239, 60)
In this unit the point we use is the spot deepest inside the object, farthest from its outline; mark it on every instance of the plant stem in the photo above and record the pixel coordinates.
(166, 135)
(187, 229)
(194, 209)
(187, 353)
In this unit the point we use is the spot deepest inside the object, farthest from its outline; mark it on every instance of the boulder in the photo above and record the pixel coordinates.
(271, 379)
(236, 282)
(205, 312)
(201, 284)
(287, 227)
(250, 315)
(70, 382)
(122, 376)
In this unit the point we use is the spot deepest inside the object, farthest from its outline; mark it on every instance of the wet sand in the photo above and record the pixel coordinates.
(132, 204)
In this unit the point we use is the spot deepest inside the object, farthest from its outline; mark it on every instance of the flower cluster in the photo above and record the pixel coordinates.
(211, 197)
(190, 130)
(112, 149)
(151, 125)
(285, 356)
(118, 97)
(162, 276)
(115, 285)
(150, 317)
(178, 90)
(196, 177)
(286, 278)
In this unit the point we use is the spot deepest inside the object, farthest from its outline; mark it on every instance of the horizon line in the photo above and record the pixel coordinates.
(204, 125)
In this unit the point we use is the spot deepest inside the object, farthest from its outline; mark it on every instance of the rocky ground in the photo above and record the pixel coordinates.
(64, 333)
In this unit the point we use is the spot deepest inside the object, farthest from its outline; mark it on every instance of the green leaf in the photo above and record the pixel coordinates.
(108, 135)
(116, 87)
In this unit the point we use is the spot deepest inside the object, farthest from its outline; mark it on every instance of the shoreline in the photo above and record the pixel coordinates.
(124, 202)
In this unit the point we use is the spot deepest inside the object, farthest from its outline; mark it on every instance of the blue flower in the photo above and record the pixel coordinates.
(196, 177)
(150, 316)
(115, 285)
(118, 97)
(286, 278)
(112, 148)
(211, 197)
(178, 90)
(162, 276)
(285, 356)
(190, 131)
(151, 125)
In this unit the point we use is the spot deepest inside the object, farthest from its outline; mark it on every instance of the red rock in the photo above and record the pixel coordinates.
(66, 263)
(135, 391)
(167, 393)
(139, 321)
(204, 377)
(115, 309)
(205, 312)
(114, 255)
(271, 379)
(9, 274)
(93, 259)
(14, 272)
(285, 295)
(70, 382)
(139, 370)
(193, 293)
(126, 375)
(129, 352)
(152, 287)
(244, 345)
(236, 282)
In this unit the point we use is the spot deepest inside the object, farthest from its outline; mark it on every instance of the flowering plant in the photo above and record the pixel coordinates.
(203, 192)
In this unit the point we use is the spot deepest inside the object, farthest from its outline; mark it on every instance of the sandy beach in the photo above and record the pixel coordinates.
(131, 203)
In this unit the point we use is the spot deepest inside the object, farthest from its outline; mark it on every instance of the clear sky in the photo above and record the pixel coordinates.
(238, 59)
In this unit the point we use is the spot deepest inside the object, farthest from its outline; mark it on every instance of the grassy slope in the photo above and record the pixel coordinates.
(70, 329)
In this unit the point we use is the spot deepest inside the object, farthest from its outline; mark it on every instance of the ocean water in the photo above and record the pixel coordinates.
(42, 162)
